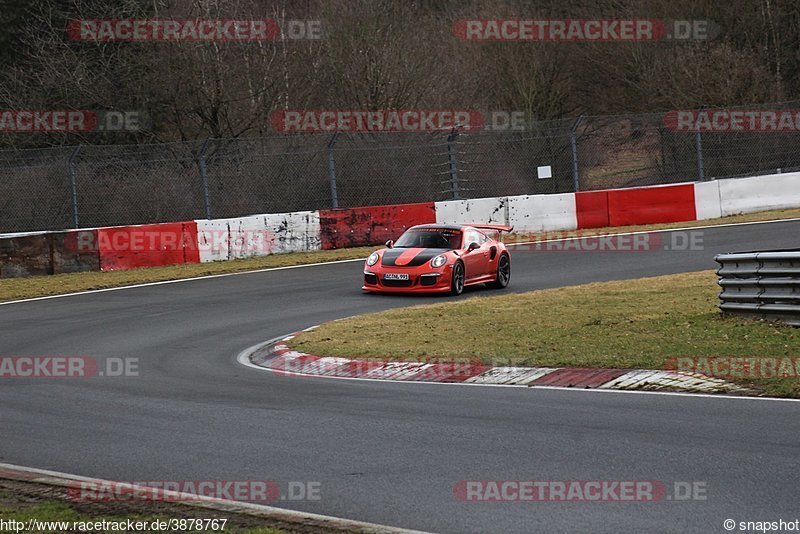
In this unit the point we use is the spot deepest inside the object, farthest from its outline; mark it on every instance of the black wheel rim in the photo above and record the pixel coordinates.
(458, 278)
(504, 271)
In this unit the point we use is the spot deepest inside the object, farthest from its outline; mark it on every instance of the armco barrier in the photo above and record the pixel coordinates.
(764, 285)
(476, 210)
(147, 245)
(542, 213)
(48, 253)
(258, 235)
(371, 225)
(759, 193)
(647, 205)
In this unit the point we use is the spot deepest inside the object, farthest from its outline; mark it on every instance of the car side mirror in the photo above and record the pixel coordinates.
(389, 244)
(472, 246)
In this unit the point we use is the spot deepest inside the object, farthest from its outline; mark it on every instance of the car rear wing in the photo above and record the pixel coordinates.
(495, 227)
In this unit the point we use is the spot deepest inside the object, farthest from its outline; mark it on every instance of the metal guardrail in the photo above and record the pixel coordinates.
(765, 285)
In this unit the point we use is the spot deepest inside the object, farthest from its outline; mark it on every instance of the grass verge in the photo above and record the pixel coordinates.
(41, 286)
(624, 324)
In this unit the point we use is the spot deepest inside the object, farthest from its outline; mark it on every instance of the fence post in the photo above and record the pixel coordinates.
(573, 143)
(455, 186)
(698, 146)
(201, 163)
(72, 172)
(332, 172)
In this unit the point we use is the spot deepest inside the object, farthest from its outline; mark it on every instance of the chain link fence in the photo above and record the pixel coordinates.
(647, 149)
(87, 186)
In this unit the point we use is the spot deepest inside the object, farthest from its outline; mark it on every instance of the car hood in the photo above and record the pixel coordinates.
(410, 257)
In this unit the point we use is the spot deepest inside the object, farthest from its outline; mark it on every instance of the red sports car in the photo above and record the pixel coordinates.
(440, 258)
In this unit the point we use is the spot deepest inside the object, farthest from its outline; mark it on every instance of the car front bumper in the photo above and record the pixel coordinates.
(432, 281)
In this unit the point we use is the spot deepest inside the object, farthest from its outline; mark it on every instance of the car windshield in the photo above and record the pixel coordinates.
(430, 238)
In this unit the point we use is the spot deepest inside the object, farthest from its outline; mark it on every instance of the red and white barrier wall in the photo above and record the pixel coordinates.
(127, 247)
(707, 202)
(371, 225)
(722, 198)
(526, 213)
(571, 211)
(148, 245)
(630, 206)
(759, 193)
(257, 235)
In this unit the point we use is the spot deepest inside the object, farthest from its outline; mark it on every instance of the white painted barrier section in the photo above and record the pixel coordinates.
(526, 213)
(258, 235)
(476, 210)
(214, 239)
(542, 213)
(706, 200)
(759, 193)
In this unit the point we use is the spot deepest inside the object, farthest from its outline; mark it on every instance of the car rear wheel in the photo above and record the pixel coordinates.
(503, 272)
(457, 279)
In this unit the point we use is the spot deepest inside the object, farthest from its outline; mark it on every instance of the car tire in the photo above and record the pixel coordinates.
(503, 272)
(457, 279)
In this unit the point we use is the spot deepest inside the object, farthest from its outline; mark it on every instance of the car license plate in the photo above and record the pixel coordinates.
(395, 276)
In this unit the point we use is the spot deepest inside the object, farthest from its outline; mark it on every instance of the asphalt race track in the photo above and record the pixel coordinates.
(388, 453)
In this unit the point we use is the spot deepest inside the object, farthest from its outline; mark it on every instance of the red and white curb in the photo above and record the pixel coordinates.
(278, 358)
(290, 518)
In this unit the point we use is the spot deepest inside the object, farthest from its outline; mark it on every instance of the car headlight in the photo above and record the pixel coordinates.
(439, 260)
(373, 259)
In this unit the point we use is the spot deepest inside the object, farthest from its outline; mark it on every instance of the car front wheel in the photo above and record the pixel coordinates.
(457, 279)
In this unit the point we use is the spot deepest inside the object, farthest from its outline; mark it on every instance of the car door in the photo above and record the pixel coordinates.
(475, 261)
(491, 255)
(486, 253)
